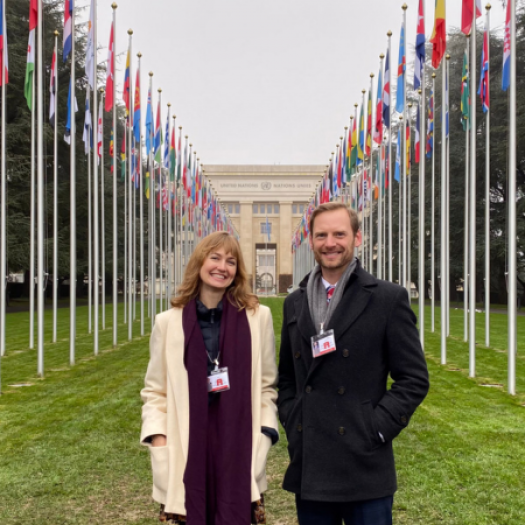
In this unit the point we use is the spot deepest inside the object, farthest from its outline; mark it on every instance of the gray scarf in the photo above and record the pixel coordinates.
(320, 310)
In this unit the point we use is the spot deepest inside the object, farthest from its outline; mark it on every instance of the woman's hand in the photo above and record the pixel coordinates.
(158, 440)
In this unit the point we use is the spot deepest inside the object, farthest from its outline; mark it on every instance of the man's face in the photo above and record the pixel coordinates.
(333, 241)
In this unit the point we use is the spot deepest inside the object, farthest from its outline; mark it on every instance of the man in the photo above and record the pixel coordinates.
(339, 416)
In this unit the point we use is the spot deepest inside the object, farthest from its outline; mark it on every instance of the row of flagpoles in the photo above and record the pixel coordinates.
(182, 205)
(348, 176)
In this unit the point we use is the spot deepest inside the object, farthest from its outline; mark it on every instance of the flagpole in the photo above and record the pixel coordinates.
(404, 162)
(102, 215)
(115, 188)
(512, 296)
(161, 244)
(400, 208)
(380, 215)
(123, 167)
(131, 211)
(40, 194)
(443, 253)
(55, 194)
(3, 204)
(422, 204)
(96, 224)
(472, 208)
(141, 217)
(90, 216)
(151, 224)
(181, 203)
(174, 205)
(447, 204)
(487, 194)
(433, 218)
(32, 224)
(466, 205)
(170, 217)
(408, 159)
(390, 241)
(73, 211)
(370, 193)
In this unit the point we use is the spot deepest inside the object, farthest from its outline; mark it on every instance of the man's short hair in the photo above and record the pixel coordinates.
(333, 206)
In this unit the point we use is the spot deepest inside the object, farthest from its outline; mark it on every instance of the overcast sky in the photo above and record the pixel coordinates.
(263, 82)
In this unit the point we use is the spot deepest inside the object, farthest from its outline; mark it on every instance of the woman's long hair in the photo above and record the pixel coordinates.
(238, 292)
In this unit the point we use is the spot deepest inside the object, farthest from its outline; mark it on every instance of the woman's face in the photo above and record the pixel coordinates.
(218, 270)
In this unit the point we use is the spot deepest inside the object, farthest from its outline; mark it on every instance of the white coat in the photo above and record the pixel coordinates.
(166, 404)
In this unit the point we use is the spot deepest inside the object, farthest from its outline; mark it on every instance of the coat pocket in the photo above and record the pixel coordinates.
(159, 467)
(368, 418)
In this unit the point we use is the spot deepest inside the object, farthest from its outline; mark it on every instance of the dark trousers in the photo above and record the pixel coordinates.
(370, 512)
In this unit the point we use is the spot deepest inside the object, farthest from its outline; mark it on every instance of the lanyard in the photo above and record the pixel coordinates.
(214, 361)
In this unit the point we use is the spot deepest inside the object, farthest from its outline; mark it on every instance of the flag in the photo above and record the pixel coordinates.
(53, 88)
(149, 123)
(146, 185)
(179, 158)
(369, 124)
(353, 153)
(401, 68)
(466, 15)
(397, 173)
(361, 142)
(483, 90)
(100, 130)
(126, 95)
(419, 62)
(465, 93)
(378, 128)
(110, 72)
(30, 68)
(185, 167)
(123, 159)
(158, 136)
(417, 138)
(68, 28)
(386, 92)
(67, 132)
(505, 81)
(90, 47)
(167, 144)
(111, 147)
(173, 155)
(136, 110)
(86, 136)
(3, 46)
(348, 163)
(430, 125)
(439, 34)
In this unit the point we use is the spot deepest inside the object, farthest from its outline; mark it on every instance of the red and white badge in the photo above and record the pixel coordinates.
(219, 380)
(323, 343)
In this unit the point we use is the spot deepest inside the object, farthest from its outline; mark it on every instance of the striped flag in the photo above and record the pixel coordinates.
(386, 92)
(110, 72)
(67, 132)
(68, 28)
(166, 159)
(417, 139)
(419, 62)
(401, 68)
(378, 128)
(439, 34)
(483, 90)
(126, 92)
(430, 125)
(90, 47)
(136, 110)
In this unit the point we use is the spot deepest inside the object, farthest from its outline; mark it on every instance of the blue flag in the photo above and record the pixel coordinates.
(397, 172)
(149, 124)
(401, 68)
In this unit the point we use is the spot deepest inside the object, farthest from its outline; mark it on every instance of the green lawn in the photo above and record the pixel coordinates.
(69, 451)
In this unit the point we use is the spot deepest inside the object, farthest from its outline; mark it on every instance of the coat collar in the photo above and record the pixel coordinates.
(356, 297)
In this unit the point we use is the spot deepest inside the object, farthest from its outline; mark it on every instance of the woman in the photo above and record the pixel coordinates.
(209, 414)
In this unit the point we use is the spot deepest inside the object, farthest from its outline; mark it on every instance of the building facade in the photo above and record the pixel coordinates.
(265, 205)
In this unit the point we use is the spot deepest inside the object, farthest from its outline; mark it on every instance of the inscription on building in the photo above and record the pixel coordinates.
(266, 186)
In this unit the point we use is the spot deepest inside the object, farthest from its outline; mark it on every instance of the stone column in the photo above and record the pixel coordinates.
(245, 232)
(284, 246)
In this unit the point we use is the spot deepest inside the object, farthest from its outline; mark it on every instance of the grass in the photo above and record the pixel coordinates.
(69, 451)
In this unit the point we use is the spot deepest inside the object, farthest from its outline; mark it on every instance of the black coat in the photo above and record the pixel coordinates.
(334, 407)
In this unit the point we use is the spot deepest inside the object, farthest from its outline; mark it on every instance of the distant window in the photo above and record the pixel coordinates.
(276, 208)
(294, 208)
(265, 231)
(237, 209)
(261, 208)
(230, 208)
(255, 208)
(266, 260)
(301, 208)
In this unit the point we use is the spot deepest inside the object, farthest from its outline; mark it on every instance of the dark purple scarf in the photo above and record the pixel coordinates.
(217, 478)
